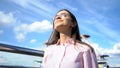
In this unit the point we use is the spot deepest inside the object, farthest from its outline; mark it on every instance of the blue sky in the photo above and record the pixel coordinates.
(28, 23)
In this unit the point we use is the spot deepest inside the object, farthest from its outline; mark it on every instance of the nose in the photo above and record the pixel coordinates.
(58, 17)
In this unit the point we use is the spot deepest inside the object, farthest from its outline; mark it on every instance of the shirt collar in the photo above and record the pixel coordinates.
(68, 41)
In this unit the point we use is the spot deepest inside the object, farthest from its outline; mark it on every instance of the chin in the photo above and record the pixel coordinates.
(57, 28)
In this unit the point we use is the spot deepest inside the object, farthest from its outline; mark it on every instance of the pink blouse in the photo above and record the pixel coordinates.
(69, 55)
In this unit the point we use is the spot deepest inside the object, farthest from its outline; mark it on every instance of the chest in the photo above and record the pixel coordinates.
(66, 54)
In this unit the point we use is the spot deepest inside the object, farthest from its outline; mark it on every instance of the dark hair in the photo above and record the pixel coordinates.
(55, 35)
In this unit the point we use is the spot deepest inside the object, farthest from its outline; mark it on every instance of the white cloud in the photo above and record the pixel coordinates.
(33, 41)
(114, 51)
(6, 18)
(114, 54)
(117, 46)
(1, 31)
(20, 37)
(39, 27)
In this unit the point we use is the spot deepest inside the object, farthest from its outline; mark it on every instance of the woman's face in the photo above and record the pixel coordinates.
(62, 21)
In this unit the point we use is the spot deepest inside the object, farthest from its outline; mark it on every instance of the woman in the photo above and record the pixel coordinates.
(65, 48)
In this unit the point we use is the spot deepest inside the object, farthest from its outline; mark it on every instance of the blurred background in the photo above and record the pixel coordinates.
(28, 23)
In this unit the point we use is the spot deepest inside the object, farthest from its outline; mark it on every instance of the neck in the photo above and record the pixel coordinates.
(64, 37)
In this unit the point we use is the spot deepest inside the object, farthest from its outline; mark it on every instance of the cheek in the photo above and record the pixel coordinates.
(67, 22)
(57, 25)
(63, 23)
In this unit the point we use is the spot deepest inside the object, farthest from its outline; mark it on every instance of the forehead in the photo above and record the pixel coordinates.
(63, 11)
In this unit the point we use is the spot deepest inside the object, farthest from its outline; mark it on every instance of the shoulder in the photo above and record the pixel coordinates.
(84, 46)
(50, 48)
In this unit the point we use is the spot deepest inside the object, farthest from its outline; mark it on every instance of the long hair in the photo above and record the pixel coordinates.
(55, 35)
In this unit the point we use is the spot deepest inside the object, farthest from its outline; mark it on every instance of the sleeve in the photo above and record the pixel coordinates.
(89, 59)
(44, 58)
(47, 52)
